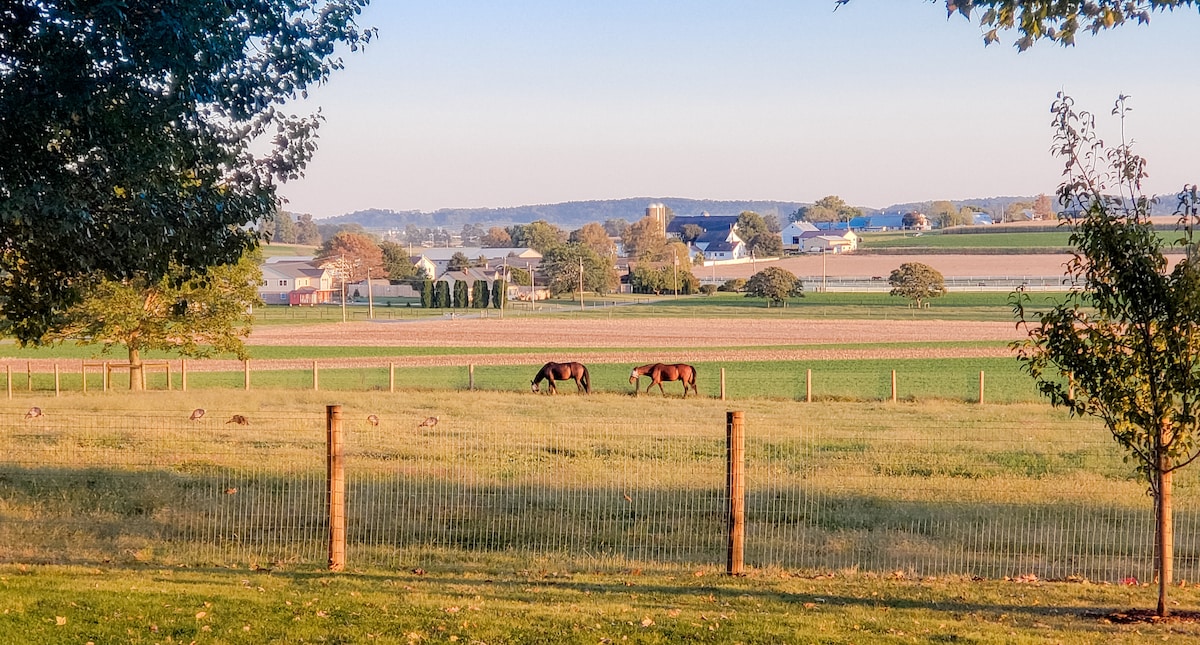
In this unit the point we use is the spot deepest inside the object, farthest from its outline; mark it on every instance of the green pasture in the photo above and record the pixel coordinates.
(1010, 240)
(835, 380)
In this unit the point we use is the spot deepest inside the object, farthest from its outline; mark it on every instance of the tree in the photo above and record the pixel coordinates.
(499, 294)
(561, 267)
(913, 219)
(283, 228)
(540, 236)
(461, 294)
(458, 262)
(307, 232)
(351, 256)
(1043, 207)
(917, 282)
(690, 233)
(441, 294)
(945, 214)
(471, 234)
(593, 236)
(196, 317)
(1057, 20)
(1124, 346)
(397, 264)
(496, 238)
(775, 284)
(133, 137)
(828, 209)
(644, 240)
(1015, 212)
(615, 227)
(427, 292)
(479, 296)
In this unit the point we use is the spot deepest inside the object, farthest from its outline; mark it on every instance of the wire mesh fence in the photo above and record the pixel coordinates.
(994, 498)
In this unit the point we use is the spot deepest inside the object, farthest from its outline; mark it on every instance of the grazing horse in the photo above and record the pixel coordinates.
(659, 373)
(552, 372)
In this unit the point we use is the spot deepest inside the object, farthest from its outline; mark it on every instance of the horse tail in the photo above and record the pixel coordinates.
(587, 381)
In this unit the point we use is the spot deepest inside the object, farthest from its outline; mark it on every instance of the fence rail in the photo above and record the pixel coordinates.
(991, 500)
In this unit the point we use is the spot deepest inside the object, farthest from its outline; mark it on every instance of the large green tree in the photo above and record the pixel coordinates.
(198, 317)
(540, 235)
(755, 231)
(830, 208)
(775, 284)
(1056, 20)
(917, 282)
(143, 138)
(561, 266)
(1124, 345)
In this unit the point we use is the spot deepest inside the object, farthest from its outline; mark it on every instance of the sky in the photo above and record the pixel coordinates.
(473, 103)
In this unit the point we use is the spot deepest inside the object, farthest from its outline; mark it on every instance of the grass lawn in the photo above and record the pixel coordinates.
(501, 599)
(1015, 240)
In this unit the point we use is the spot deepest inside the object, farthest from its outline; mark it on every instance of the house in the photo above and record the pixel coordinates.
(793, 233)
(719, 239)
(830, 243)
(295, 282)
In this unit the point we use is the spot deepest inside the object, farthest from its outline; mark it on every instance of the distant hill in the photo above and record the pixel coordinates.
(572, 215)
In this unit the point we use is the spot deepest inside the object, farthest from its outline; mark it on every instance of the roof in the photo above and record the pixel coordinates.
(467, 275)
(443, 254)
(294, 269)
(706, 222)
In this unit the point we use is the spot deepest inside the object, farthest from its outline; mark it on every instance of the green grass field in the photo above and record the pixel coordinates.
(1015, 241)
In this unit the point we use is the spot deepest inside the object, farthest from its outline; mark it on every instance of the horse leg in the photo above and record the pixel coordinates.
(660, 389)
(553, 390)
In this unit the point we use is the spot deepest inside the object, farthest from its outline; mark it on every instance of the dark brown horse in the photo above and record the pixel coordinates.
(659, 372)
(552, 372)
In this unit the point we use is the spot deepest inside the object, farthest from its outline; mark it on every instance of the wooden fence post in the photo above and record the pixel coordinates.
(83, 373)
(246, 377)
(107, 375)
(980, 387)
(893, 386)
(391, 377)
(336, 489)
(183, 374)
(808, 386)
(8, 374)
(722, 383)
(736, 490)
(29, 375)
(471, 377)
(316, 380)
(56, 379)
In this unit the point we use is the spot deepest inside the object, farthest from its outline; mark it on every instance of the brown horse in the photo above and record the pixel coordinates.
(562, 371)
(659, 373)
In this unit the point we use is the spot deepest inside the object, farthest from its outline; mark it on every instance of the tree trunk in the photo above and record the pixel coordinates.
(1165, 536)
(135, 370)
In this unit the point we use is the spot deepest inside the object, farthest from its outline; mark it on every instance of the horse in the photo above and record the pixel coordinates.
(659, 372)
(552, 371)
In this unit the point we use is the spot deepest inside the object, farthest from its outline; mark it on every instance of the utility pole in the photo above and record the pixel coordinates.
(370, 297)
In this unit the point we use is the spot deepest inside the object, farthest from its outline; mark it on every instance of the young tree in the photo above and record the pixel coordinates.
(197, 316)
(142, 139)
(775, 284)
(396, 262)
(479, 298)
(1123, 346)
(917, 282)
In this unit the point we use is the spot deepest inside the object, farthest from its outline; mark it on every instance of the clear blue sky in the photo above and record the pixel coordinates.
(467, 103)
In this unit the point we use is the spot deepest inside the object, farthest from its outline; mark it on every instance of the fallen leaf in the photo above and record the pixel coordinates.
(60, 620)
(201, 614)
(647, 621)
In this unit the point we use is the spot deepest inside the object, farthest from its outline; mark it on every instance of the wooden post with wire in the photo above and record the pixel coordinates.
(471, 377)
(336, 491)
(893, 386)
(316, 379)
(980, 387)
(722, 383)
(83, 374)
(736, 490)
(56, 380)
(808, 386)
(183, 374)
(246, 377)
(391, 377)
(8, 375)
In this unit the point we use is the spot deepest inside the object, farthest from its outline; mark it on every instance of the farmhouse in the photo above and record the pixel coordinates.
(713, 236)
(830, 243)
(295, 282)
(793, 235)
(435, 261)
